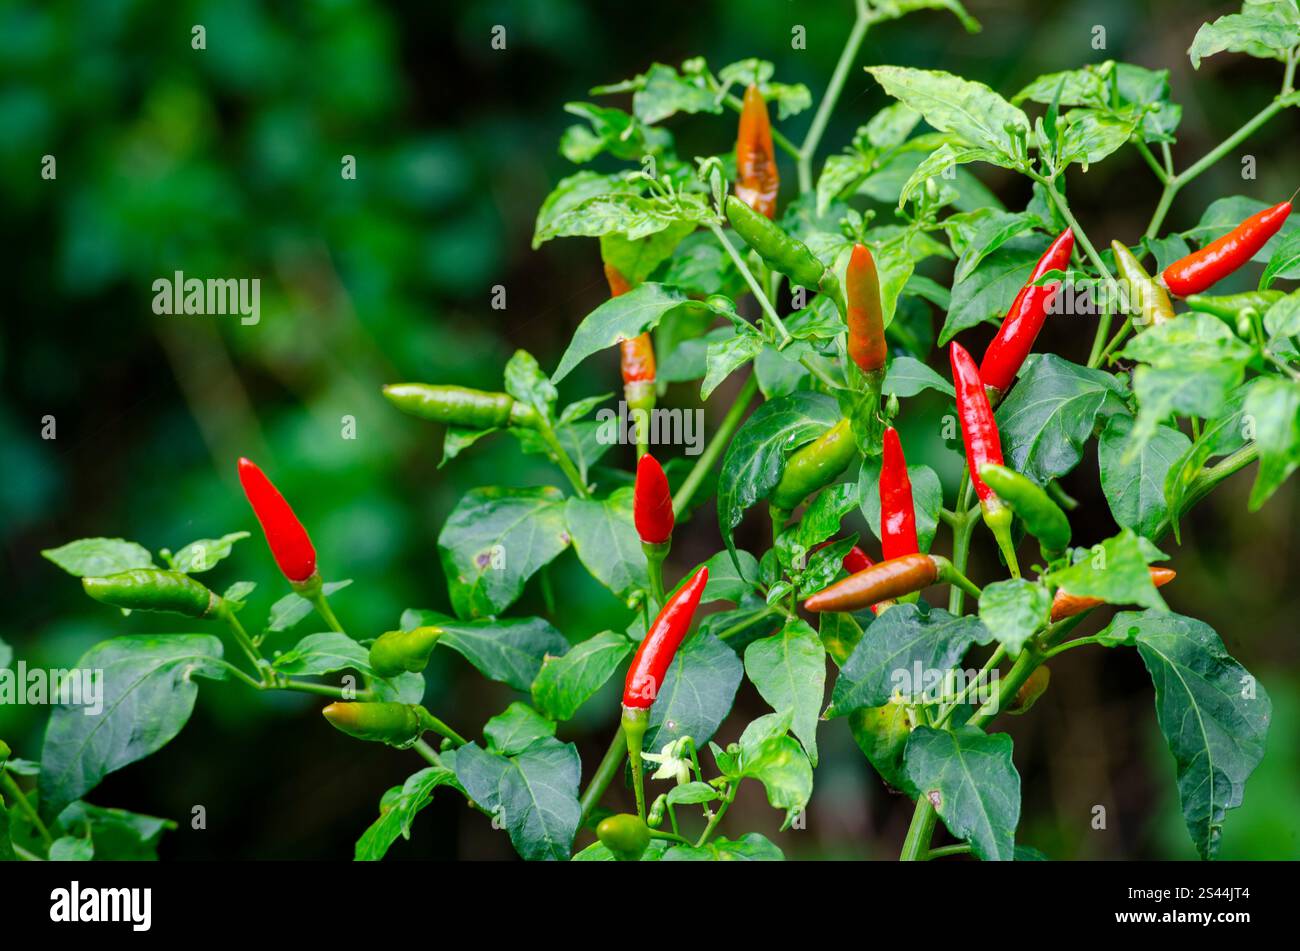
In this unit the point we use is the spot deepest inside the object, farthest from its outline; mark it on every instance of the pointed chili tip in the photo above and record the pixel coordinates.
(618, 284)
(1161, 576)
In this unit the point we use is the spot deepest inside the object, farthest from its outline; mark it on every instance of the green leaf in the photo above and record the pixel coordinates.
(510, 650)
(908, 376)
(781, 766)
(1135, 491)
(750, 847)
(292, 608)
(566, 682)
(1090, 135)
(1213, 714)
(1224, 434)
(937, 163)
(725, 582)
(891, 9)
(1267, 30)
(585, 441)
(494, 540)
(952, 104)
(756, 455)
(118, 835)
(696, 693)
(6, 842)
(983, 231)
(1114, 571)
(969, 778)
(397, 810)
(1051, 412)
(324, 653)
(987, 294)
(147, 691)
(605, 537)
(927, 498)
(691, 794)
(525, 381)
(72, 849)
(881, 733)
(726, 356)
(664, 93)
(789, 671)
(623, 318)
(1013, 610)
(518, 728)
(1285, 260)
(636, 260)
(95, 557)
(1274, 404)
(534, 794)
(597, 852)
(206, 553)
(902, 640)
(569, 194)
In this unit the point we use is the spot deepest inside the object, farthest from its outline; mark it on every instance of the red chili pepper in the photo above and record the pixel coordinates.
(866, 323)
(856, 560)
(646, 675)
(980, 433)
(652, 507)
(897, 512)
(757, 179)
(978, 429)
(288, 540)
(1218, 259)
(1025, 319)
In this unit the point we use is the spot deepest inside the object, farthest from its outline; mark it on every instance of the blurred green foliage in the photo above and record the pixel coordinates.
(225, 162)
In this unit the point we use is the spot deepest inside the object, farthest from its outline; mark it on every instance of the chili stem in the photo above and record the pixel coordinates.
(323, 608)
(654, 559)
(609, 767)
(1077, 642)
(726, 429)
(990, 664)
(917, 844)
(754, 287)
(429, 722)
(1116, 340)
(245, 642)
(11, 786)
(813, 365)
(716, 818)
(562, 460)
(832, 95)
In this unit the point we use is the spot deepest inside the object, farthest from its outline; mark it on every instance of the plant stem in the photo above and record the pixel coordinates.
(917, 844)
(1150, 159)
(610, 765)
(245, 642)
(323, 608)
(833, 89)
(427, 752)
(716, 818)
(320, 690)
(429, 722)
(563, 461)
(961, 535)
(11, 786)
(1068, 645)
(726, 429)
(1115, 341)
(992, 662)
(962, 849)
(1028, 661)
(763, 302)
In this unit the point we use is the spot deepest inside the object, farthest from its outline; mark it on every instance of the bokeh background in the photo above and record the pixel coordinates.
(225, 162)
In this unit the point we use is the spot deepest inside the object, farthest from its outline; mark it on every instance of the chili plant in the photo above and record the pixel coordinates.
(1185, 391)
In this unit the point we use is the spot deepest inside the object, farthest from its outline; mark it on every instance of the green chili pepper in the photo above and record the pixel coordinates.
(459, 405)
(151, 589)
(779, 250)
(1231, 306)
(1151, 299)
(399, 651)
(658, 809)
(814, 466)
(1043, 518)
(625, 835)
(397, 724)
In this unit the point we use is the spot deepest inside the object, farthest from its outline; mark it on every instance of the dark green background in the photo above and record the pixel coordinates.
(225, 162)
